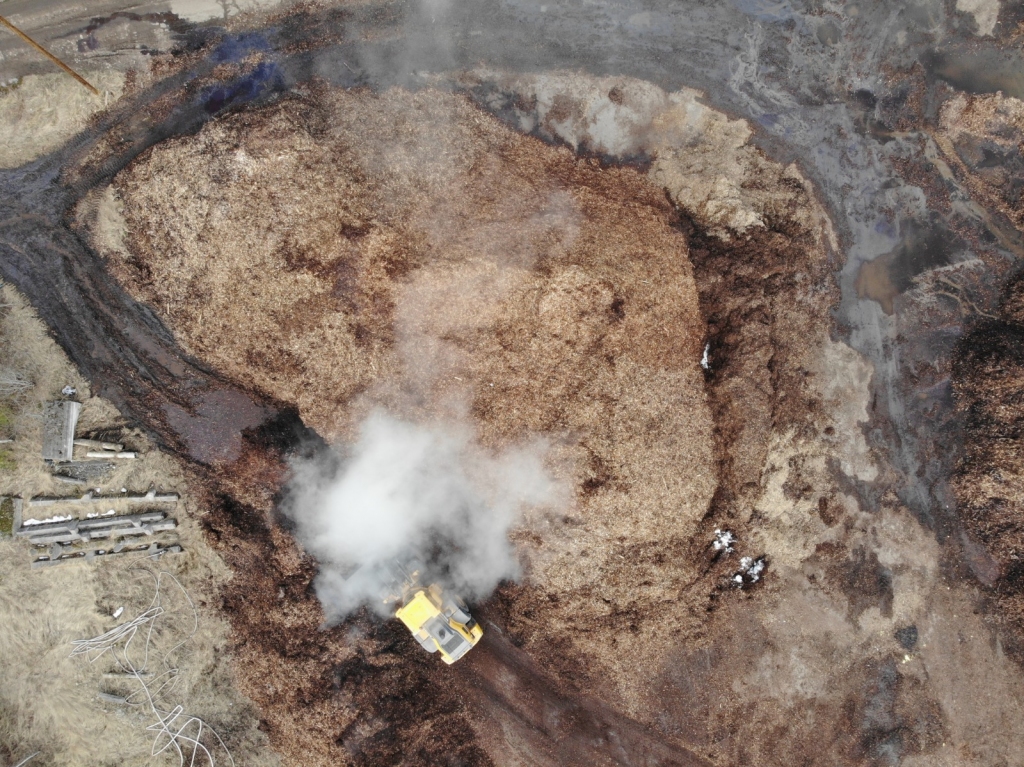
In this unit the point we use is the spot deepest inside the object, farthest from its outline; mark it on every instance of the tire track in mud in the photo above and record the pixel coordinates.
(507, 690)
(118, 343)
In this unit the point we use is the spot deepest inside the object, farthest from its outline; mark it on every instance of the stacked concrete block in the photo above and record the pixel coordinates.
(65, 536)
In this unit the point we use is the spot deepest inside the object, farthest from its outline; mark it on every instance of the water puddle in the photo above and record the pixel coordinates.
(984, 71)
(923, 247)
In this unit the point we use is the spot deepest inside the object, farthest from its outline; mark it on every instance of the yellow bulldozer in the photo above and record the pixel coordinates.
(439, 621)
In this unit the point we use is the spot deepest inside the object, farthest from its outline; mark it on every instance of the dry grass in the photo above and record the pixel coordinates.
(44, 111)
(27, 348)
(971, 125)
(48, 702)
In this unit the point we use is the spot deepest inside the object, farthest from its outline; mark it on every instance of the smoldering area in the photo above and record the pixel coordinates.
(406, 492)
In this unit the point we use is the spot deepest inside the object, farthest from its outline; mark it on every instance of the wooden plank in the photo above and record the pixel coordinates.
(95, 443)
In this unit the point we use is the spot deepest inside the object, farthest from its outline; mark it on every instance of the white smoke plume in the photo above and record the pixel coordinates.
(408, 491)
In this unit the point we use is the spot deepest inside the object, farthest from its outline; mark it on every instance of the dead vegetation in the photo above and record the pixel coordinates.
(982, 136)
(353, 249)
(445, 266)
(49, 704)
(988, 380)
(44, 111)
(427, 259)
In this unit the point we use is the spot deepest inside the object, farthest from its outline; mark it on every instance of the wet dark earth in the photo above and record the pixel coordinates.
(850, 93)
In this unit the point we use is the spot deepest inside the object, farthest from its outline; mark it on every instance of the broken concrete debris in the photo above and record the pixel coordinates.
(69, 480)
(60, 418)
(152, 496)
(59, 421)
(57, 555)
(64, 534)
(81, 472)
(70, 530)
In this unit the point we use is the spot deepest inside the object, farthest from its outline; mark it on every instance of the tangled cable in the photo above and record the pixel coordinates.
(175, 730)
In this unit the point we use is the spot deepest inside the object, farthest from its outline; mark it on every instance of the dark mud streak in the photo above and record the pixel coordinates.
(119, 344)
(556, 725)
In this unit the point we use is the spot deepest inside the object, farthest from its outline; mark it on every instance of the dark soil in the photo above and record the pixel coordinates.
(988, 383)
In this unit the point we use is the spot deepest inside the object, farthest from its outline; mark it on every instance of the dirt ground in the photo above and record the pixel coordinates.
(556, 255)
(486, 273)
(479, 271)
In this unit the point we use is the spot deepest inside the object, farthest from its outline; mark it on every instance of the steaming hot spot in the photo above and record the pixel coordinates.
(410, 493)
(496, 398)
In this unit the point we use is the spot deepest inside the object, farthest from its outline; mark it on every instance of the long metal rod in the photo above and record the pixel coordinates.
(48, 55)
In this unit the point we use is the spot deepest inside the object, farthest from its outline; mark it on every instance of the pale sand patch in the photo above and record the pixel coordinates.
(985, 13)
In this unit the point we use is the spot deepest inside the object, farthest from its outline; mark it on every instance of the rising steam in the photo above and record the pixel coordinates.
(406, 491)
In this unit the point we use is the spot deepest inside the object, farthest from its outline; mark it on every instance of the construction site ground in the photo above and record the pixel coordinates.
(781, 305)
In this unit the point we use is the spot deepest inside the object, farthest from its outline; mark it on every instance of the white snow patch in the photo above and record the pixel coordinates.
(724, 539)
(58, 518)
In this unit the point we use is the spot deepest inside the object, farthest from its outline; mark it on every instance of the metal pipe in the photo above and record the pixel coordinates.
(48, 55)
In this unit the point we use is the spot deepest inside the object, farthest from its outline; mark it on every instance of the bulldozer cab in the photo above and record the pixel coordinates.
(441, 623)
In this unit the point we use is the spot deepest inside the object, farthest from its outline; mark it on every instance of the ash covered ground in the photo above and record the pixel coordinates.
(773, 306)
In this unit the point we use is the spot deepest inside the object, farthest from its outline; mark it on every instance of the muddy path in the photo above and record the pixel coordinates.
(552, 727)
(816, 84)
(121, 345)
